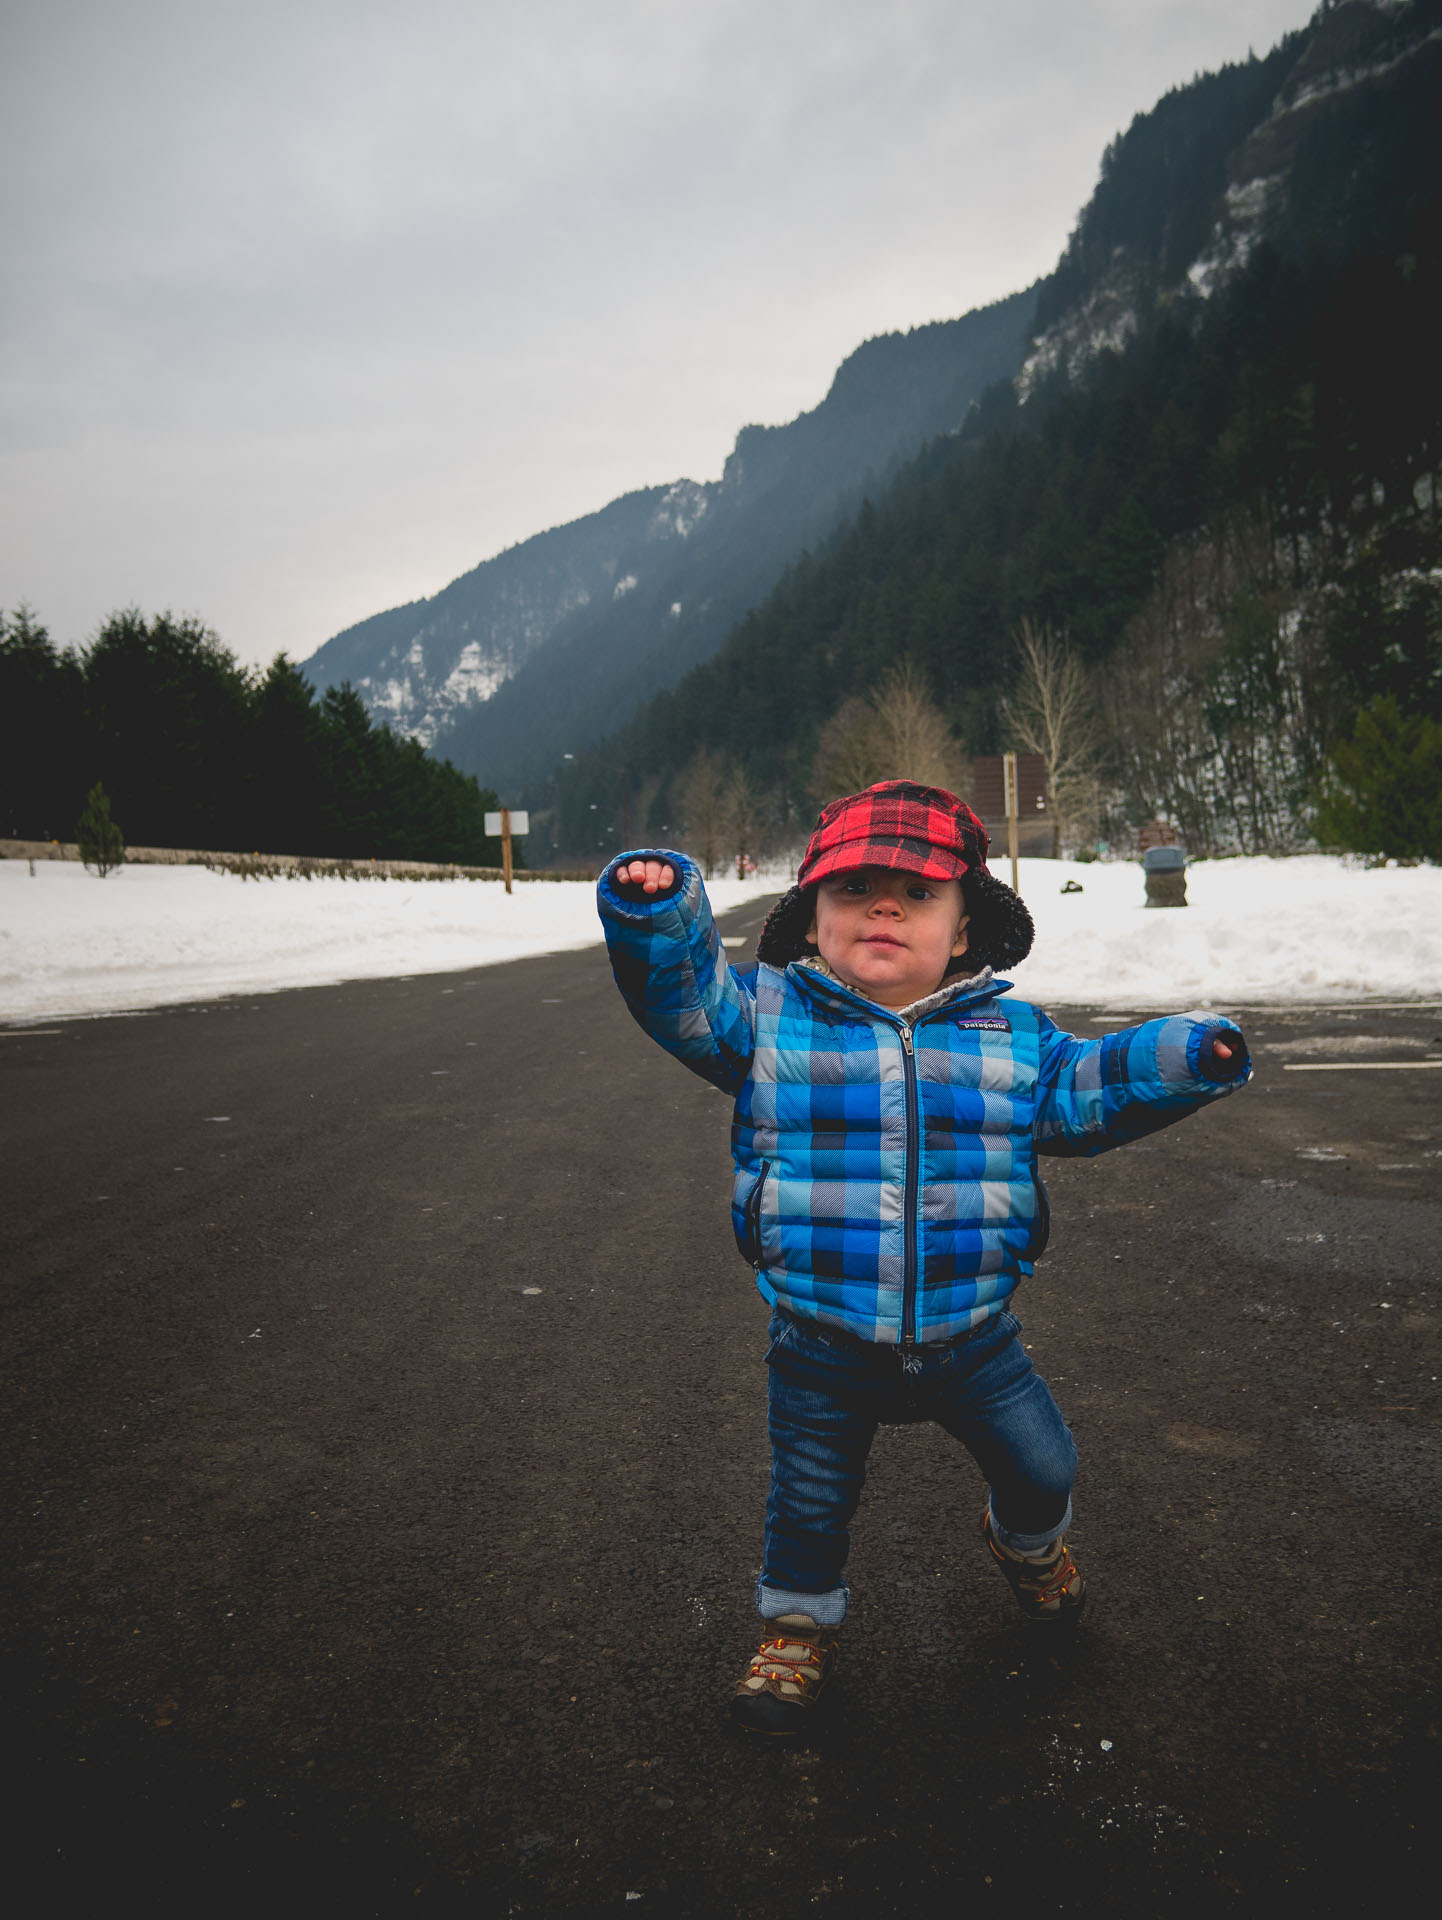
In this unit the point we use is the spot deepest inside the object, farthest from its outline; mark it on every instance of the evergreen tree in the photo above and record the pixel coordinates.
(201, 753)
(1385, 792)
(42, 732)
(169, 711)
(285, 753)
(97, 836)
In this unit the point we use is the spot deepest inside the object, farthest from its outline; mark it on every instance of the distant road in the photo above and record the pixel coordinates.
(387, 1458)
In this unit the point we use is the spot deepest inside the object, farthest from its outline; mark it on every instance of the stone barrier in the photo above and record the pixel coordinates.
(275, 866)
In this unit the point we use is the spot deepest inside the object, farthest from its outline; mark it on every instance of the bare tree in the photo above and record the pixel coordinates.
(742, 810)
(847, 754)
(1220, 703)
(1050, 712)
(704, 808)
(896, 733)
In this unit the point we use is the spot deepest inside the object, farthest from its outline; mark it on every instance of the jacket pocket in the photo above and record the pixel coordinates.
(750, 1234)
(1041, 1221)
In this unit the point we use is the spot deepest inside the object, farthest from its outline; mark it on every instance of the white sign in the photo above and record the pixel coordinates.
(520, 823)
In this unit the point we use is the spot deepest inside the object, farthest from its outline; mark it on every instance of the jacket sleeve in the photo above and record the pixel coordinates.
(671, 968)
(1095, 1094)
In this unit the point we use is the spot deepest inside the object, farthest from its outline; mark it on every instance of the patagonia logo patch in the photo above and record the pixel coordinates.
(987, 1023)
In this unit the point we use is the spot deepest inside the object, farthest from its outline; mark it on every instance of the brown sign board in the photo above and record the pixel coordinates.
(988, 798)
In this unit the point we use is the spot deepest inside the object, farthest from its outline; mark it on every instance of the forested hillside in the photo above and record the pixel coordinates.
(1215, 484)
(195, 751)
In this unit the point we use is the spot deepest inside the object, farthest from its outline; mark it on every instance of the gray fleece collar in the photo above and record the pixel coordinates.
(963, 983)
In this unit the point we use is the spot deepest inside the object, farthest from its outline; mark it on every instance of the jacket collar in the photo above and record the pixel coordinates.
(813, 976)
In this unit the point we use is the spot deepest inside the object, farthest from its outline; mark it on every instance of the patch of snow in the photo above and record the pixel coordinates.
(623, 587)
(474, 677)
(393, 698)
(675, 609)
(1248, 200)
(1104, 323)
(1344, 79)
(72, 944)
(681, 506)
(1254, 930)
(1248, 207)
(1300, 930)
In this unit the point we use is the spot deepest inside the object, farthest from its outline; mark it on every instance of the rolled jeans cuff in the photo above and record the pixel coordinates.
(826, 1609)
(1027, 1542)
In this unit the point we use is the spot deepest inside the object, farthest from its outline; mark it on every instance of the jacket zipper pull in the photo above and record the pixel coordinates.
(906, 1038)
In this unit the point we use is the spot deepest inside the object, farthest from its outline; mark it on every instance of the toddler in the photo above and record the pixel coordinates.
(890, 1106)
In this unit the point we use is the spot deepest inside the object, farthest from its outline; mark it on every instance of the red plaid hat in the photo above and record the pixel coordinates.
(897, 824)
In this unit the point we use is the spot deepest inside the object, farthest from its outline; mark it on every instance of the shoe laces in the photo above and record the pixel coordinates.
(1042, 1581)
(1051, 1583)
(793, 1659)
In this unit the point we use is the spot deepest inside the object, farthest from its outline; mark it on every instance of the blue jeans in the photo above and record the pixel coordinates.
(830, 1392)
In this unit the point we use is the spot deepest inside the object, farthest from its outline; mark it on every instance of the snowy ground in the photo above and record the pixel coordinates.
(1312, 929)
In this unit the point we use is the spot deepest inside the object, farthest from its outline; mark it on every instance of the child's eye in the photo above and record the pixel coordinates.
(919, 893)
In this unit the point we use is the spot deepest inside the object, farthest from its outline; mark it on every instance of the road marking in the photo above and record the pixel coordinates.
(1339, 1006)
(1345, 1066)
(1274, 1007)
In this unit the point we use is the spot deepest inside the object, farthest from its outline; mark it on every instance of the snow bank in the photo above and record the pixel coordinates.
(71, 943)
(1306, 930)
(1310, 929)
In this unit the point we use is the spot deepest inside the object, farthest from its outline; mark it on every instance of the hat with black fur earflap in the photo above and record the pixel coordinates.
(908, 828)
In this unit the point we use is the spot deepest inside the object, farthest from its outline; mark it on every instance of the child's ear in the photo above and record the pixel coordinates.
(810, 933)
(958, 945)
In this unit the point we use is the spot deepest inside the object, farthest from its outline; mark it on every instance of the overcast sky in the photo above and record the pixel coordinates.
(307, 307)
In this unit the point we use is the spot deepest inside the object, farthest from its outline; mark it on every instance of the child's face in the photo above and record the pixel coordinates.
(889, 934)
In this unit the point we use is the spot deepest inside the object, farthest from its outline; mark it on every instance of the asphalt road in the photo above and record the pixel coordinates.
(387, 1457)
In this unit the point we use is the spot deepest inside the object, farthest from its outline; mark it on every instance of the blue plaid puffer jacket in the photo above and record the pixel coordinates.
(885, 1175)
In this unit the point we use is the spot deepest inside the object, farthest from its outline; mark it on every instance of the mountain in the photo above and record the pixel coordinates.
(1217, 472)
(1329, 139)
(415, 666)
(535, 652)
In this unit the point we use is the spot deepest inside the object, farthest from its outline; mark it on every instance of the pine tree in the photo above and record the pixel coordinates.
(1385, 796)
(100, 843)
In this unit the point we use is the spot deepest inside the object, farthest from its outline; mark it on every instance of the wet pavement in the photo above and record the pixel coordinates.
(387, 1454)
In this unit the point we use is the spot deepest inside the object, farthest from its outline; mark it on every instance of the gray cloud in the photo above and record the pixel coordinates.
(308, 307)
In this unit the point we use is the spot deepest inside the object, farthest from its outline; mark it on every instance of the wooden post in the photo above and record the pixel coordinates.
(1008, 775)
(506, 845)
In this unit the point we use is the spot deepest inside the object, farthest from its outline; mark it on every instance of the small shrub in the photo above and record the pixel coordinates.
(1384, 792)
(97, 836)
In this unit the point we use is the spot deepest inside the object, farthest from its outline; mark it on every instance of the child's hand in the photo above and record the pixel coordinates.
(650, 876)
(1222, 1056)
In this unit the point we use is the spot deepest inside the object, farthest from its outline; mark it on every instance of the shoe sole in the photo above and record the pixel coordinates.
(1060, 1622)
(788, 1729)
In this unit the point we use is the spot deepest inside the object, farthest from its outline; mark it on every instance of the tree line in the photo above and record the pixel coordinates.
(193, 749)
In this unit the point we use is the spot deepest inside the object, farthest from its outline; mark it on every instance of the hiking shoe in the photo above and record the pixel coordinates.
(779, 1689)
(1049, 1587)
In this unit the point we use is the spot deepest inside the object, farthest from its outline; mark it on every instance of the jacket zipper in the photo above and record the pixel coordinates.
(909, 1201)
(912, 1180)
(753, 1215)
